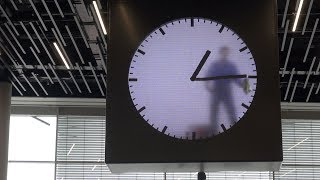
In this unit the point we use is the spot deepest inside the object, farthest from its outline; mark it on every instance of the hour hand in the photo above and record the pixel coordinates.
(200, 65)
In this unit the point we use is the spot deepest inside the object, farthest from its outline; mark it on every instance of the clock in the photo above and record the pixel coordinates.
(192, 78)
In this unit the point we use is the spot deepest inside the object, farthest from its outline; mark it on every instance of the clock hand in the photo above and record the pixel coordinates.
(224, 77)
(200, 65)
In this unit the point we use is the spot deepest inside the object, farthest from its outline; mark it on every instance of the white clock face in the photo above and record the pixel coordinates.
(192, 78)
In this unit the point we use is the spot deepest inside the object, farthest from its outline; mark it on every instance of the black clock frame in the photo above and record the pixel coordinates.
(256, 138)
(137, 50)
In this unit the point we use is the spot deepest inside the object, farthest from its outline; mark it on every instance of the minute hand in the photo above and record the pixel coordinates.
(224, 77)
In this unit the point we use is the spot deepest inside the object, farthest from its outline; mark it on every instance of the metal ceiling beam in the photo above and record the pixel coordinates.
(318, 88)
(285, 14)
(59, 8)
(59, 80)
(58, 67)
(14, 38)
(311, 39)
(53, 22)
(309, 94)
(9, 20)
(14, 5)
(42, 43)
(294, 90)
(96, 78)
(18, 90)
(33, 89)
(288, 56)
(42, 67)
(12, 74)
(103, 80)
(309, 73)
(29, 36)
(71, 7)
(83, 78)
(13, 47)
(285, 35)
(75, 44)
(8, 54)
(44, 90)
(65, 83)
(103, 61)
(318, 68)
(307, 18)
(81, 31)
(302, 73)
(289, 84)
(75, 82)
(38, 15)
(102, 36)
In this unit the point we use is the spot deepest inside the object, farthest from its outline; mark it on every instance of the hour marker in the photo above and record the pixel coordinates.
(245, 106)
(223, 127)
(221, 29)
(141, 109)
(162, 31)
(133, 79)
(192, 22)
(164, 129)
(242, 49)
(141, 52)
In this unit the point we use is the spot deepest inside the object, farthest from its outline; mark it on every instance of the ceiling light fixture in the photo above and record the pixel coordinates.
(61, 55)
(99, 17)
(297, 16)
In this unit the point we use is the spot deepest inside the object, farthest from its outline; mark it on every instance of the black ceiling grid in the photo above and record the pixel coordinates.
(28, 31)
(299, 51)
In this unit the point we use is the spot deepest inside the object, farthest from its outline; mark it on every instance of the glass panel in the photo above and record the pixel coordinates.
(34, 171)
(32, 138)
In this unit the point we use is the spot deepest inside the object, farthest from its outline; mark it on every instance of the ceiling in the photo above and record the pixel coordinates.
(29, 29)
(27, 37)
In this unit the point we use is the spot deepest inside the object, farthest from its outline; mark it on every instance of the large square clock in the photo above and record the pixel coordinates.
(192, 85)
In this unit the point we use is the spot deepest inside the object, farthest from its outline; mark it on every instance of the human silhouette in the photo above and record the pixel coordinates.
(221, 90)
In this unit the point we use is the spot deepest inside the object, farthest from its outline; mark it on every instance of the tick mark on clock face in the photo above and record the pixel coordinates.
(245, 106)
(223, 127)
(141, 109)
(164, 129)
(192, 22)
(141, 52)
(242, 49)
(162, 31)
(221, 29)
(133, 79)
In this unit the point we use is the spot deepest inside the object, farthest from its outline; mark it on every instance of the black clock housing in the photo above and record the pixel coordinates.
(253, 144)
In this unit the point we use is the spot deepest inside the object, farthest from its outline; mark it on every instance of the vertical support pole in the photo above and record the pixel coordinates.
(5, 103)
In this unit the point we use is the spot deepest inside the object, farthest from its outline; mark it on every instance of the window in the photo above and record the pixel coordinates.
(32, 143)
